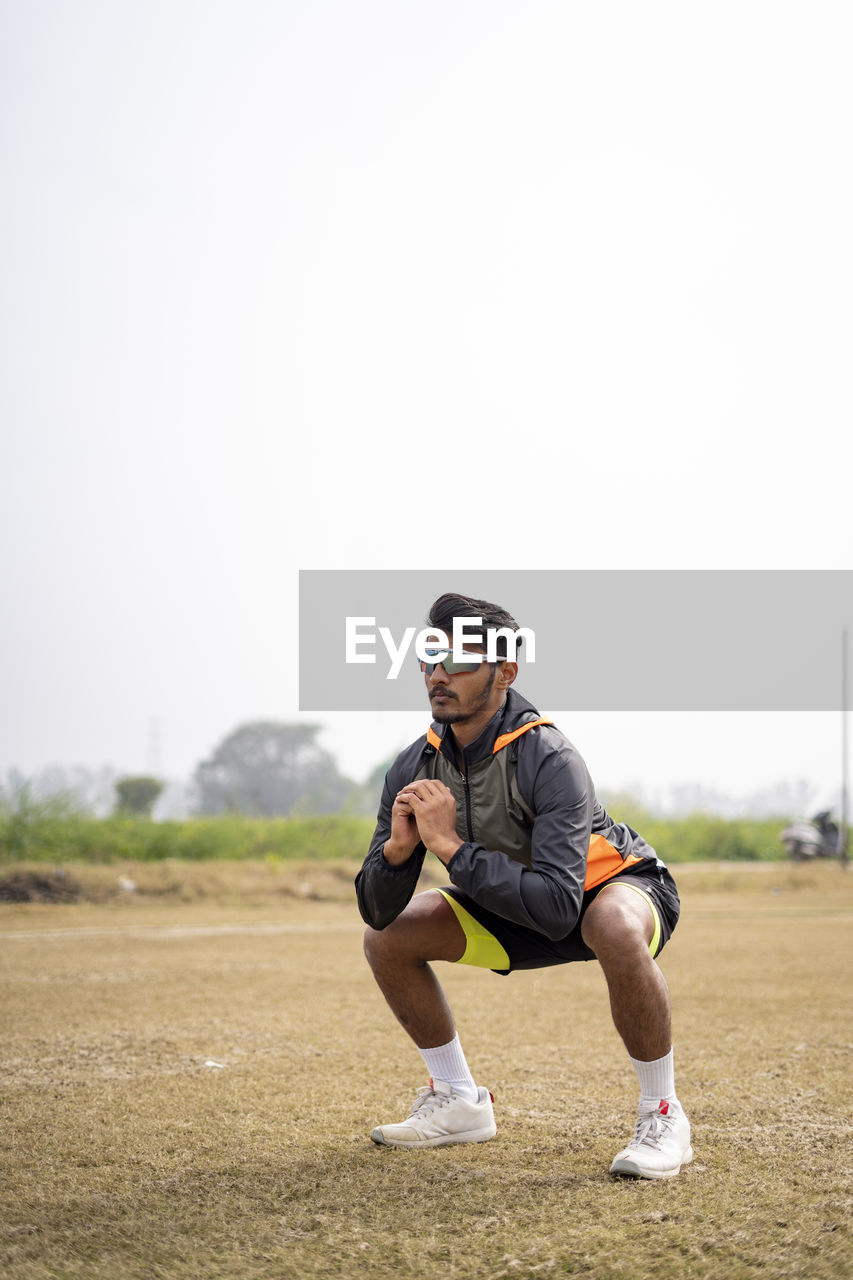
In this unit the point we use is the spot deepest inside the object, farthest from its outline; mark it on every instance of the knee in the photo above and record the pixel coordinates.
(375, 946)
(615, 932)
(384, 946)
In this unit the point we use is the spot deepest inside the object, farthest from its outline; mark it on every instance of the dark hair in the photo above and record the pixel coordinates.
(451, 605)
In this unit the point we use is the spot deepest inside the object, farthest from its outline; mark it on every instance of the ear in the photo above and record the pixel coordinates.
(506, 674)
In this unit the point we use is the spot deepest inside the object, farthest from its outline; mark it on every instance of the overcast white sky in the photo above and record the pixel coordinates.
(387, 285)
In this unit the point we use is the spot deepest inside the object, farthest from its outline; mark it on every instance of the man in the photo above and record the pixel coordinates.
(539, 875)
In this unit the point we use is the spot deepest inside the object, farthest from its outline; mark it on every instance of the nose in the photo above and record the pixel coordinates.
(439, 675)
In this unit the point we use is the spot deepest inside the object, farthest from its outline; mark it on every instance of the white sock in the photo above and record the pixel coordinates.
(447, 1062)
(657, 1078)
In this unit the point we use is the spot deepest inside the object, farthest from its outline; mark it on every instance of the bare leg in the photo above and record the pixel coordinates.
(618, 928)
(399, 956)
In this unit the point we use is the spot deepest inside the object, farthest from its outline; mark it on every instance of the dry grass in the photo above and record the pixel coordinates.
(126, 1155)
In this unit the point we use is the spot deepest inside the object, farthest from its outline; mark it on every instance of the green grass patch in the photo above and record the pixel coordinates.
(41, 834)
(73, 838)
(704, 838)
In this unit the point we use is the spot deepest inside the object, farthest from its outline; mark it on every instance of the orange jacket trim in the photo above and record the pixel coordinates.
(503, 741)
(506, 738)
(604, 861)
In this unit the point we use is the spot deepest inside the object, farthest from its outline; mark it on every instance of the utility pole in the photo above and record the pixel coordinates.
(844, 772)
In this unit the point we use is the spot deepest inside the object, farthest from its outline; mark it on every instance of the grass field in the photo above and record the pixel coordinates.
(190, 1072)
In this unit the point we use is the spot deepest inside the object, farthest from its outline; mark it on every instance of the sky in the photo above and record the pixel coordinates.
(475, 285)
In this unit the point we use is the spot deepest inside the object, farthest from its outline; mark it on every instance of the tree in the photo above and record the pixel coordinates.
(85, 790)
(267, 768)
(137, 795)
(364, 800)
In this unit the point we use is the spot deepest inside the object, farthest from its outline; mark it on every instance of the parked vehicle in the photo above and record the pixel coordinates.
(805, 840)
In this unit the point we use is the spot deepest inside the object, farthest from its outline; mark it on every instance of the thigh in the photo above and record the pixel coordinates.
(426, 930)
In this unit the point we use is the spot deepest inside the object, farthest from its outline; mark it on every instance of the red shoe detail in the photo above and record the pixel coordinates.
(664, 1107)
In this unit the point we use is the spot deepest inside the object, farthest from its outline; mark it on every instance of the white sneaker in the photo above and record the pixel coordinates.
(660, 1145)
(438, 1117)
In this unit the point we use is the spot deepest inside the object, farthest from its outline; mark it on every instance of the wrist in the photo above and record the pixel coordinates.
(446, 848)
(397, 854)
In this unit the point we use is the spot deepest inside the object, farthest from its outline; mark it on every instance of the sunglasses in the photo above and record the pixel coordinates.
(444, 659)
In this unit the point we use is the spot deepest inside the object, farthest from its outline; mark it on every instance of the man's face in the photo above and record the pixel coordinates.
(457, 698)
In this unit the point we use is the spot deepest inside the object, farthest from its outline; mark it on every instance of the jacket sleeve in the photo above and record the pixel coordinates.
(383, 890)
(546, 896)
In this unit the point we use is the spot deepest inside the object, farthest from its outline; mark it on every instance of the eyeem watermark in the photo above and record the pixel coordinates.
(362, 633)
(646, 640)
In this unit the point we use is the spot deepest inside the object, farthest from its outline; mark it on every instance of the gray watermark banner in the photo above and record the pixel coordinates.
(605, 640)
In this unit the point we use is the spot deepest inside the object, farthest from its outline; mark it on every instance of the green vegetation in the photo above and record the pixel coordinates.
(137, 794)
(52, 831)
(40, 837)
(704, 838)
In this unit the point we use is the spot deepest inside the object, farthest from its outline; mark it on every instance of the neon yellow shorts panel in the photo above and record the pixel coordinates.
(481, 947)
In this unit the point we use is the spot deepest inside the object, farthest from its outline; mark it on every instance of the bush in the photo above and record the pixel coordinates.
(137, 794)
(704, 838)
(51, 830)
(40, 837)
(33, 827)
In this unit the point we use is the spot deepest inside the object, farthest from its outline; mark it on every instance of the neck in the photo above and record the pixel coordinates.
(466, 731)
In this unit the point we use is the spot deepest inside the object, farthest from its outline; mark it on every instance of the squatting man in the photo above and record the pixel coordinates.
(539, 875)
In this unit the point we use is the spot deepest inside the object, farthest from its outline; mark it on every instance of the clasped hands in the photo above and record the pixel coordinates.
(425, 810)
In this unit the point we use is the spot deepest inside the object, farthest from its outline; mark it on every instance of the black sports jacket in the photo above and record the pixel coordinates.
(534, 835)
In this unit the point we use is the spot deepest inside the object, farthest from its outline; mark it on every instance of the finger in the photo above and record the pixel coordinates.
(435, 787)
(420, 789)
(419, 803)
(429, 787)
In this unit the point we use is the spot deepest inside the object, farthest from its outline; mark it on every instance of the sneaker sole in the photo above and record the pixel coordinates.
(630, 1169)
(445, 1140)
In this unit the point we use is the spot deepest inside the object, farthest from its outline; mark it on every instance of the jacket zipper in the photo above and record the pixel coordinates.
(468, 822)
(464, 776)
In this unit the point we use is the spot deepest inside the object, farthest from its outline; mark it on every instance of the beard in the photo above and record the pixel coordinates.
(451, 714)
(448, 715)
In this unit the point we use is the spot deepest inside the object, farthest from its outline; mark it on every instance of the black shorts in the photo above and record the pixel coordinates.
(498, 944)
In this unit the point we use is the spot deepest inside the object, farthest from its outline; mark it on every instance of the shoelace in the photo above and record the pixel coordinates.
(650, 1129)
(427, 1097)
